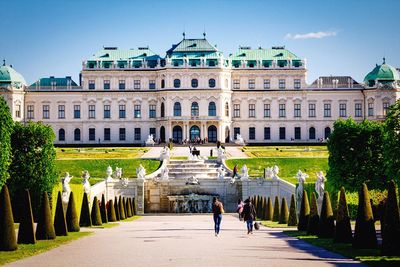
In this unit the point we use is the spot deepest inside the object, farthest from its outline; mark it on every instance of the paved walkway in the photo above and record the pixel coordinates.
(180, 151)
(185, 241)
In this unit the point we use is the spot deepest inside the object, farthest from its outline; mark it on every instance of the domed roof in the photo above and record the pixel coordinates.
(10, 76)
(382, 73)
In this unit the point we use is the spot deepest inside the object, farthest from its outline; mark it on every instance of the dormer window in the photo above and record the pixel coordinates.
(211, 83)
(177, 83)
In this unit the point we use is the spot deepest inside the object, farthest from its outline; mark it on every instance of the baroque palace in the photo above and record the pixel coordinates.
(195, 92)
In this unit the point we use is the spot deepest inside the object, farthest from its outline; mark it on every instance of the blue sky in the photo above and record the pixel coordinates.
(42, 38)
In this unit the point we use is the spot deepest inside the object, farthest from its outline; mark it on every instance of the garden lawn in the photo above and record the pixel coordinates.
(100, 152)
(272, 224)
(288, 167)
(286, 151)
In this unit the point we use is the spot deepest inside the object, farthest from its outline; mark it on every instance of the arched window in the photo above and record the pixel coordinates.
(195, 109)
(177, 109)
(162, 83)
(162, 110)
(177, 83)
(194, 132)
(212, 134)
(195, 83)
(327, 132)
(77, 134)
(177, 134)
(212, 109)
(227, 109)
(211, 83)
(61, 135)
(311, 133)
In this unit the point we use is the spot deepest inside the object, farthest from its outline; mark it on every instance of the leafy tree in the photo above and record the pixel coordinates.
(6, 128)
(392, 143)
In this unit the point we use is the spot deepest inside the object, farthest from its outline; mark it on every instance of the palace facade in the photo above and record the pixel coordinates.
(196, 92)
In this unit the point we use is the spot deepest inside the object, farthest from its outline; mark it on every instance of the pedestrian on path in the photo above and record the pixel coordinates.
(218, 210)
(239, 209)
(235, 171)
(249, 215)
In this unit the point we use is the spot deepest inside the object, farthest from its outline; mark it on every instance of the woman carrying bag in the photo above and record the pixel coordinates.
(249, 215)
(218, 210)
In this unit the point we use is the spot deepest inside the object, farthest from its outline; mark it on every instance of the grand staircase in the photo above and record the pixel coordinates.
(199, 169)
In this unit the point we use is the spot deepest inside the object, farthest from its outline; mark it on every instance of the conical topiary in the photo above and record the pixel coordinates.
(128, 208)
(121, 209)
(343, 233)
(8, 241)
(304, 213)
(45, 227)
(391, 236)
(134, 206)
(264, 206)
(269, 212)
(85, 220)
(260, 207)
(313, 220)
(111, 212)
(284, 213)
(275, 217)
(364, 234)
(72, 217)
(103, 210)
(26, 230)
(292, 221)
(326, 220)
(60, 225)
(96, 217)
(116, 209)
(125, 210)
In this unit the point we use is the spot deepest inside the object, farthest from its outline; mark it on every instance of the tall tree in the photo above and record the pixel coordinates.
(392, 143)
(6, 128)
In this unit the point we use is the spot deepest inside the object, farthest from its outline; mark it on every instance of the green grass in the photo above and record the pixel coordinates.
(100, 153)
(288, 167)
(24, 251)
(106, 225)
(272, 224)
(286, 151)
(78, 196)
(370, 257)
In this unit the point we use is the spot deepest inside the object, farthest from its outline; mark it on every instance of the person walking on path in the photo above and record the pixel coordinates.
(249, 215)
(239, 209)
(218, 210)
(235, 171)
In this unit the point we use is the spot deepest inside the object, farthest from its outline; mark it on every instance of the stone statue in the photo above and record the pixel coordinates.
(165, 153)
(109, 173)
(221, 173)
(141, 172)
(221, 154)
(150, 140)
(268, 173)
(301, 178)
(85, 182)
(124, 182)
(239, 140)
(320, 189)
(165, 175)
(66, 189)
(192, 181)
(275, 171)
(245, 173)
(118, 173)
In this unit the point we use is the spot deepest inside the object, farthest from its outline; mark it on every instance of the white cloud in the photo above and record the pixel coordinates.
(310, 35)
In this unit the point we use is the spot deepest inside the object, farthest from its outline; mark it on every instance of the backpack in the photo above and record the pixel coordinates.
(256, 226)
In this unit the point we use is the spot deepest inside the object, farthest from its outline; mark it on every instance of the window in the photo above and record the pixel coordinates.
(195, 109)
(282, 133)
(282, 110)
(297, 110)
(236, 131)
(46, 112)
(370, 109)
(137, 134)
(342, 110)
(211, 83)
(252, 133)
(152, 84)
(386, 106)
(107, 112)
(236, 110)
(121, 85)
(282, 84)
(122, 111)
(358, 110)
(61, 135)
(92, 134)
(92, 85)
(297, 84)
(267, 133)
(267, 84)
(327, 132)
(227, 109)
(30, 112)
(107, 134)
(311, 133)
(152, 111)
(92, 111)
(162, 110)
(18, 111)
(252, 110)
(153, 132)
(61, 111)
(122, 134)
(77, 111)
(212, 109)
(136, 84)
(236, 84)
(297, 133)
(311, 110)
(177, 109)
(162, 83)
(106, 84)
(327, 110)
(77, 135)
(267, 110)
(177, 83)
(252, 83)
(195, 83)
(137, 111)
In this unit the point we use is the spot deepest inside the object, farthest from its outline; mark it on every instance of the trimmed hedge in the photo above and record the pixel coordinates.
(269, 212)
(275, 217)
(60, 225)
(103, 210)
(284, 212)
(121, 209)
(111, 212)
(326, 220)
(313, 221)
(343, 232)
(292, 221)
(96, 217)
(72, 216)
(116, 209)
(8, 241)
(26, 230)
(45, 228)
(391, 227)
(85, 218)
(304, 213)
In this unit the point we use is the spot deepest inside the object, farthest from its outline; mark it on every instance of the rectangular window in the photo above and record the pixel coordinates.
(311, 110)
(297, 84)
(358, 110)
(282, 110)
(152, 84)
(107, 134)
(236, 84)
(153, 132)
(282, 84)
(267, 133)
(121, 85)
(297, 133)
(77, 111)
(252, 133)
(92, 85)
(267, 110)
(137, 134)
(236, 110)
(370, 109)
(342, 110)
(107, 111)
(327, 110)
(30, 112)
(106, 84)
(92, 134)
(282, 133)
(92, 111)
(267, 84)
(46, 111)
(18, 111)
(136, 84)
(236, 131)
(297, 110)
(386, 106)
(152, 111)
(137, 111)
(121, 134)
(122, 111)
(252, 83)
(61, 111)
(252, 110)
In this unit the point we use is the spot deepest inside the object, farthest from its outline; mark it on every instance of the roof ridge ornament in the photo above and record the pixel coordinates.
(184, 34)
(4, 62)
(384, 60)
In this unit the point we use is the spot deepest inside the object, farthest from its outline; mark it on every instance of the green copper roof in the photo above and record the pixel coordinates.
(113, 53)
(384, 72)
(276, 53)
(192, 45)
(52, 81)
(9, 75)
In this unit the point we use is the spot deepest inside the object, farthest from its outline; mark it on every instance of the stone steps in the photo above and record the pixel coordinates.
(184, 169)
